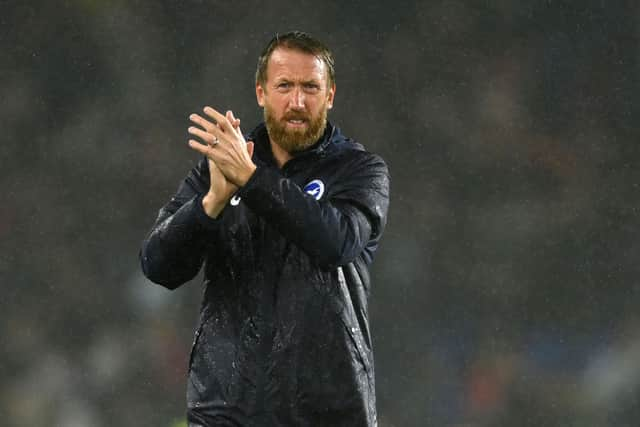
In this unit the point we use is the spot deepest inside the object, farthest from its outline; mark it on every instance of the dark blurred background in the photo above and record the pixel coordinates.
(506, 289)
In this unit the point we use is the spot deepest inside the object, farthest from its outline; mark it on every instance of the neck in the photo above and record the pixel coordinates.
(279, 154)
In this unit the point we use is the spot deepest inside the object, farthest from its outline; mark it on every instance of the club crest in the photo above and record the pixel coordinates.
(315, 188)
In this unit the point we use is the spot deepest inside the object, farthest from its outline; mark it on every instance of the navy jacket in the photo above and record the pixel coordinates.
(283, 338)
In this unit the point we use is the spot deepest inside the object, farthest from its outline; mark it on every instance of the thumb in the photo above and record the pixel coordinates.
(212, 165)
(250, 147)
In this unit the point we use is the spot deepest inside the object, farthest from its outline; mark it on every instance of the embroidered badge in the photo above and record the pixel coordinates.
(315, 188)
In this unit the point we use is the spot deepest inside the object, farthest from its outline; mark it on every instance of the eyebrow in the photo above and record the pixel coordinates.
(304, 82)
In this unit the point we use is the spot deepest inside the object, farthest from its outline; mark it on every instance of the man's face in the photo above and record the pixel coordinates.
(295, 98)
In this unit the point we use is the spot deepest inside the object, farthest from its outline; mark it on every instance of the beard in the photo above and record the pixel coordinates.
(295, 140)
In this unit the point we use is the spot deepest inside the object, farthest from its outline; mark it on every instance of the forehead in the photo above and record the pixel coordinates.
(295, 64)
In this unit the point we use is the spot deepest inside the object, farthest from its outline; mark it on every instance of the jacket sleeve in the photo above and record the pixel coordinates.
(332, 231)
(174, 250)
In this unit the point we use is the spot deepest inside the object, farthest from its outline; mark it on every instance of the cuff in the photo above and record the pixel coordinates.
(204, 220)
(252, 182)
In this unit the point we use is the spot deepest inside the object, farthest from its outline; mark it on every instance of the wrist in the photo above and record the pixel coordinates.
(247, 175)
(212, 205)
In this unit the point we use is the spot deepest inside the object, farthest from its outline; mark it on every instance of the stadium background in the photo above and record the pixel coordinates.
(506, 290)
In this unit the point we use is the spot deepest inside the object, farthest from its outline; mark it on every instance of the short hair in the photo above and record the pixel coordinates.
(296, 40)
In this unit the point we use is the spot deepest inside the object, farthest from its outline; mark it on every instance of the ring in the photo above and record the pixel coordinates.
(215, 141)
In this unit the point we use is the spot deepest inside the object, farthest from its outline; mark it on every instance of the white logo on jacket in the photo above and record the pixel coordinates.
(315, 188)
(235, 200)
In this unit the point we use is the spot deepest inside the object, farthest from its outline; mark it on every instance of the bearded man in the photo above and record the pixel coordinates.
(286, 223)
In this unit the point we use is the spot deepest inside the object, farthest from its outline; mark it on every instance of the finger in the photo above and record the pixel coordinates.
(219, 130)
(237, 127)
(219, 118)
(202, 122)
(234, 122)
(250, 147)
(200, 148)
(205, 136)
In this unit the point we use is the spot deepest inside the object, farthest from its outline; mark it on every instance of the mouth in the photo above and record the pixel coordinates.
(296, 122)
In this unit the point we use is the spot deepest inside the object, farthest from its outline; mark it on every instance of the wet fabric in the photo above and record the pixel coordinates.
(283, 337)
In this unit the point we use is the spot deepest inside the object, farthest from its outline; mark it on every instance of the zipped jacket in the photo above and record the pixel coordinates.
(283, 336)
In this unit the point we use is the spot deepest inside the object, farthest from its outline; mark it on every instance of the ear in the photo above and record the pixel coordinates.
(260, 94)
(332, 93)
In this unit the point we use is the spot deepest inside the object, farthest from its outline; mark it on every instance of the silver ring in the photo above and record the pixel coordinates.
(215, 141)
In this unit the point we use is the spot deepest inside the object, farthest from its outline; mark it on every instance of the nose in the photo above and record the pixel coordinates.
(297, 99)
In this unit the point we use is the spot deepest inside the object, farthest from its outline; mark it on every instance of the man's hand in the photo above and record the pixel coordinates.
(220, 190)
(225, 145)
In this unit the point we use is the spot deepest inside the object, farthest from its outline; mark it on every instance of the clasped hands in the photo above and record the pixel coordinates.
(229, 156)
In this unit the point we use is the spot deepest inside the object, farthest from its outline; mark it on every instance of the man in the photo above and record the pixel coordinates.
(286, 226)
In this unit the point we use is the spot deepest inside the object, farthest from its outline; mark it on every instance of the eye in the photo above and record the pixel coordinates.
(311, 87)
(283, 85)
